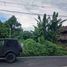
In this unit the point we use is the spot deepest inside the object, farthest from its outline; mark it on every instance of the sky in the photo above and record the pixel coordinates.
(31, 6)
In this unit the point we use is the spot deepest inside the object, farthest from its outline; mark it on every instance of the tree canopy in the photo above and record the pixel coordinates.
(48, 27)
(11, 28)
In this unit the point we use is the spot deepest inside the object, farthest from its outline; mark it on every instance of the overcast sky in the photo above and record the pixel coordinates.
(31, 6)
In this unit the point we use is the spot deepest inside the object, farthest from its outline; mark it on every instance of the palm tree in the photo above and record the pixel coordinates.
(48, 27)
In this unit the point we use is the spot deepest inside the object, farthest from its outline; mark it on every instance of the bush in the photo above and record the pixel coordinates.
(29, 47)
(51, 48)
(33, 48)
(59, 51)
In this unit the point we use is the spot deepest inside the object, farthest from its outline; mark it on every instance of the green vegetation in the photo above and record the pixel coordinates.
(10, 28)
(40, 42)
(44, 38)
(48, 27)
(33, 48)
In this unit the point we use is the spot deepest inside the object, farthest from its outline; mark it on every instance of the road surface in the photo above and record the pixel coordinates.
(47, 61)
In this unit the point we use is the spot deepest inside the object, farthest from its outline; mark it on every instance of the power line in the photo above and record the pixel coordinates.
(26, 6)
(28, 13)
(20, 12)
(4, 2)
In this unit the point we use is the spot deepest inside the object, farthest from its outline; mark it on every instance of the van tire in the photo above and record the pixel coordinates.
(10, 57)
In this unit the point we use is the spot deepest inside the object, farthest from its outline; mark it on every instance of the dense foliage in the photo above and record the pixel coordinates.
(33, 48)
(10, 28)
(27, 35)
(41, 41)
(48, 27)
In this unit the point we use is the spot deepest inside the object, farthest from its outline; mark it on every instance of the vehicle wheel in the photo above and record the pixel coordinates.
(10, 57)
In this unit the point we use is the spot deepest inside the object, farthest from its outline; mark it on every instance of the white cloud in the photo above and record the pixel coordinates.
(27, 21)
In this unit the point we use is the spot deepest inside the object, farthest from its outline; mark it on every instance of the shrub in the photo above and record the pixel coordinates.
(33, 48)
(63, 51)
(54, 50)
(51, 47)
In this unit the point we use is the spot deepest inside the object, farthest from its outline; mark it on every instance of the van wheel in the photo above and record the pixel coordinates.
(10, 57)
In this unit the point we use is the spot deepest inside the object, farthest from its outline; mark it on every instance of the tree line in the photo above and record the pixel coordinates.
(47, 28)
(40, 42)
(43, 40)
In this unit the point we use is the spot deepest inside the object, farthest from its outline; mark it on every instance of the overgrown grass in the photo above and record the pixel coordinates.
(33, 48)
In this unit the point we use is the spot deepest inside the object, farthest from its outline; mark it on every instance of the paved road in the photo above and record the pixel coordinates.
(48, 61)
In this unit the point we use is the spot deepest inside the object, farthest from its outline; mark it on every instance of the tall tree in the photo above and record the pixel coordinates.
(14, 26)
(54, 26)
(48, 27)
